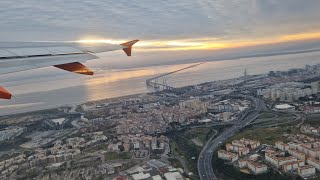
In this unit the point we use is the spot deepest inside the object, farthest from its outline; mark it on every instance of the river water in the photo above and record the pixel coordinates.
(51, 90)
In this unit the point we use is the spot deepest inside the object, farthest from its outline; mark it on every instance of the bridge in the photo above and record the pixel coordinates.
(154, 82)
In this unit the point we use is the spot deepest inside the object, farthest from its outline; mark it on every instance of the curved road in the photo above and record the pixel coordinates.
(205, 158)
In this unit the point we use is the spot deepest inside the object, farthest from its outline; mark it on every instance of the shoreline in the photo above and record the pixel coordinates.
(68, 105)
(102, 100)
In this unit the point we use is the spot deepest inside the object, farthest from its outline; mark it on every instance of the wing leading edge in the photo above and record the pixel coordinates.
(21, 56)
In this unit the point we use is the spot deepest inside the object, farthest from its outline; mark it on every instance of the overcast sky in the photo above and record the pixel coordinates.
(164, 25)
(29, 20)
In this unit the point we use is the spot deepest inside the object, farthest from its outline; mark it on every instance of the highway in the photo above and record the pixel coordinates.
(205, 169)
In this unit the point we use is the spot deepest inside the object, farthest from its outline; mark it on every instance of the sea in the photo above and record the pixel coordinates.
(44, 89)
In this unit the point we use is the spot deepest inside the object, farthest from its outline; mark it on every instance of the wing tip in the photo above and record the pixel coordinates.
(128, 46)
(4, 94)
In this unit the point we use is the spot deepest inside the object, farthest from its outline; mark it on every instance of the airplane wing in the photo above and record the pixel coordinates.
(21, 56)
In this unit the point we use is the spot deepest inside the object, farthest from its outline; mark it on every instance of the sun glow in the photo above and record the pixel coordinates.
(209, 43)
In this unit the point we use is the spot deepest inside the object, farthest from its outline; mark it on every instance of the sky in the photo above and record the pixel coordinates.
(166, 25)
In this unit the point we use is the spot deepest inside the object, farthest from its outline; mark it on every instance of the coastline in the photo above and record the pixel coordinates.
(103, 100)
(68, 105)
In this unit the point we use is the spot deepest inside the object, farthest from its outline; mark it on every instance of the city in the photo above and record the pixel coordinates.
(160, 90)
(206, 131)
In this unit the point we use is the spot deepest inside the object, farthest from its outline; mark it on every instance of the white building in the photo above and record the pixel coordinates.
(194, 104)
(242, 163)
(222, 154)
(306, 171)
(315, 87)
(141, 176)
(252, 144)
(314, 162)
(279, 161)
(240, 150)
(282, 146)
(290, 166)
(154, 143)
(297, 154)
(257, 168)
(288, 92)
(311, 150)
(173, 176)
(157, 177)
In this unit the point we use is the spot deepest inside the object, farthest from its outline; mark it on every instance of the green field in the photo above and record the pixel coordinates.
(266, 135)
(203, 134)
(175, 163)
(99, 147)
(175, 150)
(185, 149)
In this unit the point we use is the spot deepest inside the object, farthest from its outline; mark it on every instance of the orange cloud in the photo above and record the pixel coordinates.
(212, 43)
(301, 36)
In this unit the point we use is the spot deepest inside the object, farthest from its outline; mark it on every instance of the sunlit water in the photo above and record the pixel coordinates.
(49, 90)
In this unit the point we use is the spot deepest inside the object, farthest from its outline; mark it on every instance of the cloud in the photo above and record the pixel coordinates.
(145, 19)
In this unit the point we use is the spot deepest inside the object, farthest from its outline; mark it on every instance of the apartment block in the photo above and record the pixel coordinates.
(222, 154)
(306, 171)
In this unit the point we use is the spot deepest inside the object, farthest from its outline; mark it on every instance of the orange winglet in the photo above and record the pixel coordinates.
(128, 46)
(4, 94)
(75, 67)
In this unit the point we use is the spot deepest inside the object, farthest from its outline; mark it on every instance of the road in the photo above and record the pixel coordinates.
(205, 169)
